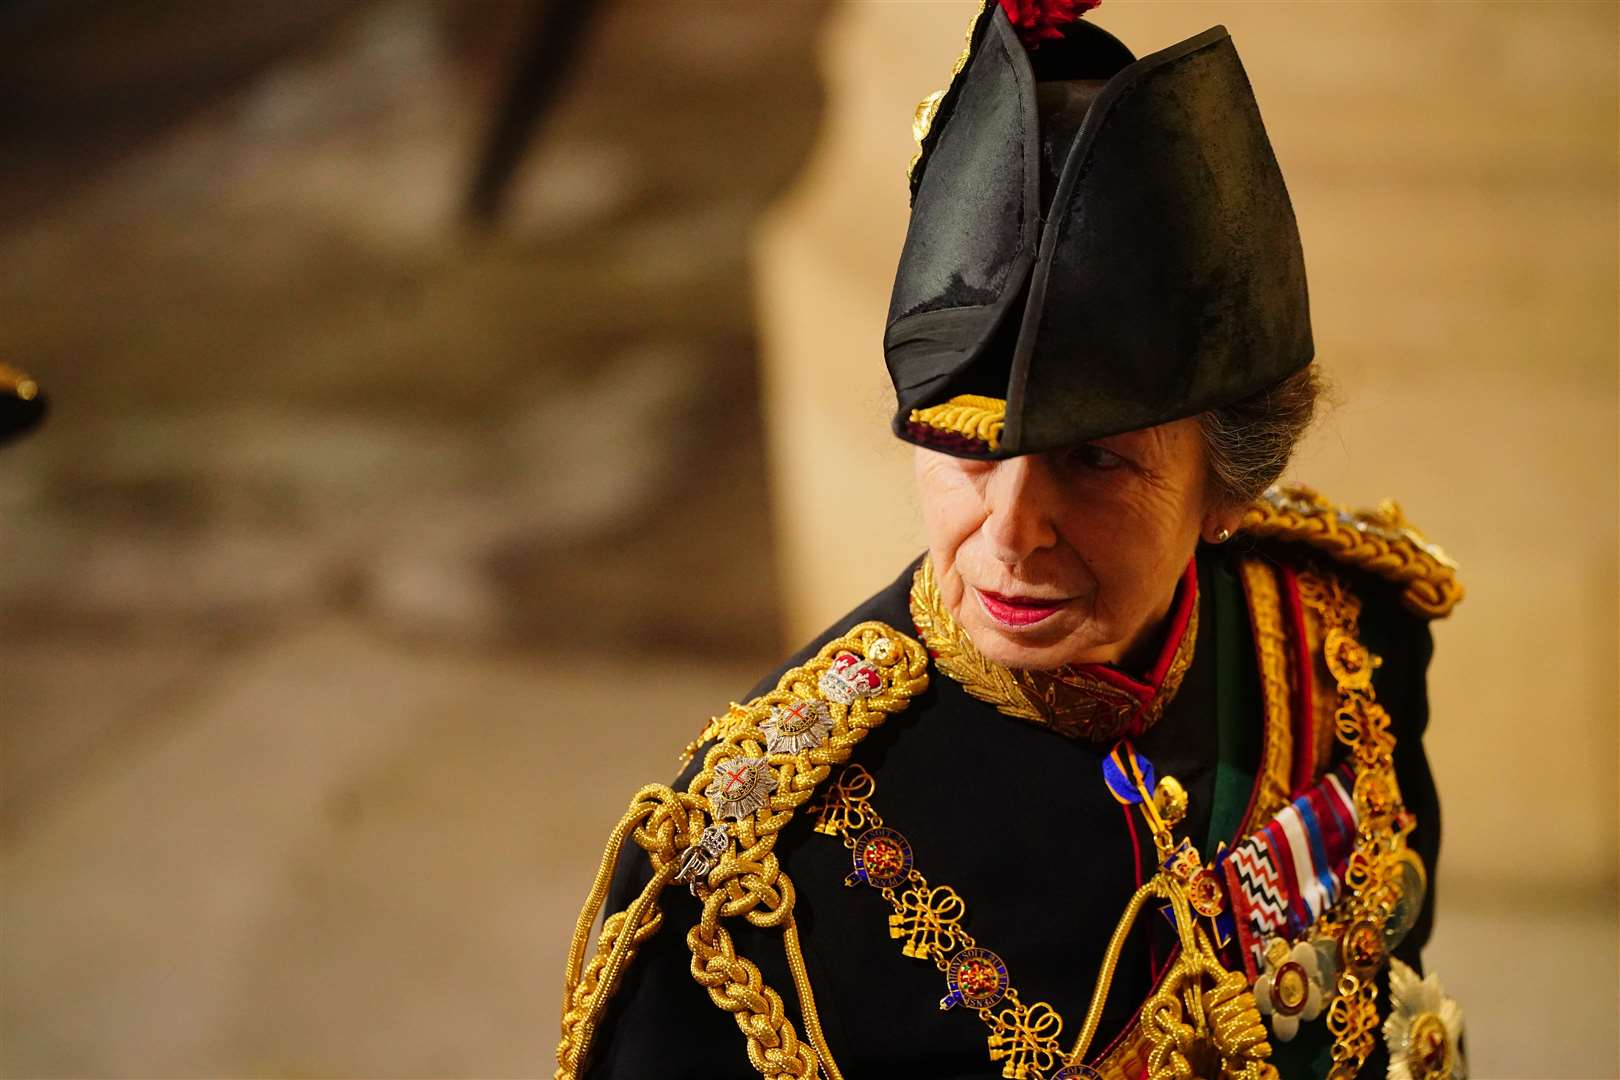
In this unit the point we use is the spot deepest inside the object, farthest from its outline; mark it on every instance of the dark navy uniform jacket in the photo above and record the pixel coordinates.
(1017, 820)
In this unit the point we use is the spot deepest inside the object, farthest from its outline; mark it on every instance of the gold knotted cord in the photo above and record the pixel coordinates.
(745, 880)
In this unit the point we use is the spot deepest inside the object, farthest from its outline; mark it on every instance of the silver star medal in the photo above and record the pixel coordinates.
(740, 787)
(798, 725)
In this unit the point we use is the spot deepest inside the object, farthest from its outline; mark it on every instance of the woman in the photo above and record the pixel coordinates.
(1124, 776)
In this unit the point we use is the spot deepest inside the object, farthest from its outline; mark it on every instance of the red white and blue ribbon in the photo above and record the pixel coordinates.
(1282, 878)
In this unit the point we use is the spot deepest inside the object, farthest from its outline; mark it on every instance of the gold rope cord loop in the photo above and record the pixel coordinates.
(621, 933)
(586, 988)
(1234, 1019)
(747, 880)
(1105, 975)
(1380, 541)
(807, 999)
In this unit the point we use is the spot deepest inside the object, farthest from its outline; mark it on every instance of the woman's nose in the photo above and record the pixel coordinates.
(1019, 518)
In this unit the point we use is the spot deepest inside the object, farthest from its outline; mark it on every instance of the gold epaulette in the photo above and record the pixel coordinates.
(1381, 542)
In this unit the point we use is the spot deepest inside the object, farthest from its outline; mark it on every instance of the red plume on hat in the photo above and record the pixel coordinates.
(1043, 20)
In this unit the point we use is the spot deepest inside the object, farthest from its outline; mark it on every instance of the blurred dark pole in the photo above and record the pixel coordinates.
(545, 58)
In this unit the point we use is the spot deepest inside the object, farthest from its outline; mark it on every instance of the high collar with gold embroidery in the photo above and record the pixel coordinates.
(1096, 702)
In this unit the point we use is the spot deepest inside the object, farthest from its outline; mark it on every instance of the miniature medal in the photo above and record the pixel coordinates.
(977, 978)
(1293, 989)
(882, 859)
(798, 725)
(740, 787)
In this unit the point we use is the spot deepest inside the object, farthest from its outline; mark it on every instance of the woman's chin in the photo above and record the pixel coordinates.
(1030, 648)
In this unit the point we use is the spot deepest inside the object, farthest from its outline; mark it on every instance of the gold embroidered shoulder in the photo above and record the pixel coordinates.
(718, 838)
(1381, 542)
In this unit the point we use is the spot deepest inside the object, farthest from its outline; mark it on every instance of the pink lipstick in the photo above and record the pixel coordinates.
(1017, 610)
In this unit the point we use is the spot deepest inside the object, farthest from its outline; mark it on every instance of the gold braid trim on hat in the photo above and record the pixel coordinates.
(971, 416)
(1379, 541)
(742, 878)
(922, 118)
(1069, 701)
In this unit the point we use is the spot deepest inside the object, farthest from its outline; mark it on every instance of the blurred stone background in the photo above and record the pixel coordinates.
(370, 560)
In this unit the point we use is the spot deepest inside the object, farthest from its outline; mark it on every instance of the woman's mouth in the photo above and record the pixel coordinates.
(1017, 610)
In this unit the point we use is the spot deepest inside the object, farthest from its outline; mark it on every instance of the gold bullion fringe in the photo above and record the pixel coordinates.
(1379, 541)
(970, 415)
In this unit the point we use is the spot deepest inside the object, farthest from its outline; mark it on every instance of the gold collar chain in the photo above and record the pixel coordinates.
(1076, 701)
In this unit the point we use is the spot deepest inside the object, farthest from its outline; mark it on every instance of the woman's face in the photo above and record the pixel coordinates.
(1071, 556)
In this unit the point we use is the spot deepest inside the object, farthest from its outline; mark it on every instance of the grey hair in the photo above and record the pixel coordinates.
(1248, 443)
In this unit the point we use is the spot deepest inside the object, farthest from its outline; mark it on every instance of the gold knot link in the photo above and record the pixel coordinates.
(1026, 1039)
(930, 920)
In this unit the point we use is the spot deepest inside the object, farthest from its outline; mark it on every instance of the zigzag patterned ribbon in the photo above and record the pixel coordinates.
(1282, 878)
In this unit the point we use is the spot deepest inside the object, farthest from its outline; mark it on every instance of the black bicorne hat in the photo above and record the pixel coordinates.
(1097, 244)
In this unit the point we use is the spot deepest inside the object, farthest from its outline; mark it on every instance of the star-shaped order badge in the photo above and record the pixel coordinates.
(1424, 1028)
(1290, 992)
(798, 725)
(740, 787)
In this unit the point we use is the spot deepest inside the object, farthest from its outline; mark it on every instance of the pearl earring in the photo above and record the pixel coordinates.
(1223, 535)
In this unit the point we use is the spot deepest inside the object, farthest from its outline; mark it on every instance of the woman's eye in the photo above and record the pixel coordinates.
(1092, 456)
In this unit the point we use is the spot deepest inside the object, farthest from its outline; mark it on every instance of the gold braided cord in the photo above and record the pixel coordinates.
(598, 893)
(1199, 1017)
(1105, 974)
(1379, 541)
(1271, 650)
(746, 880)
(973, 416)
(807, 999)
(620, 953)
